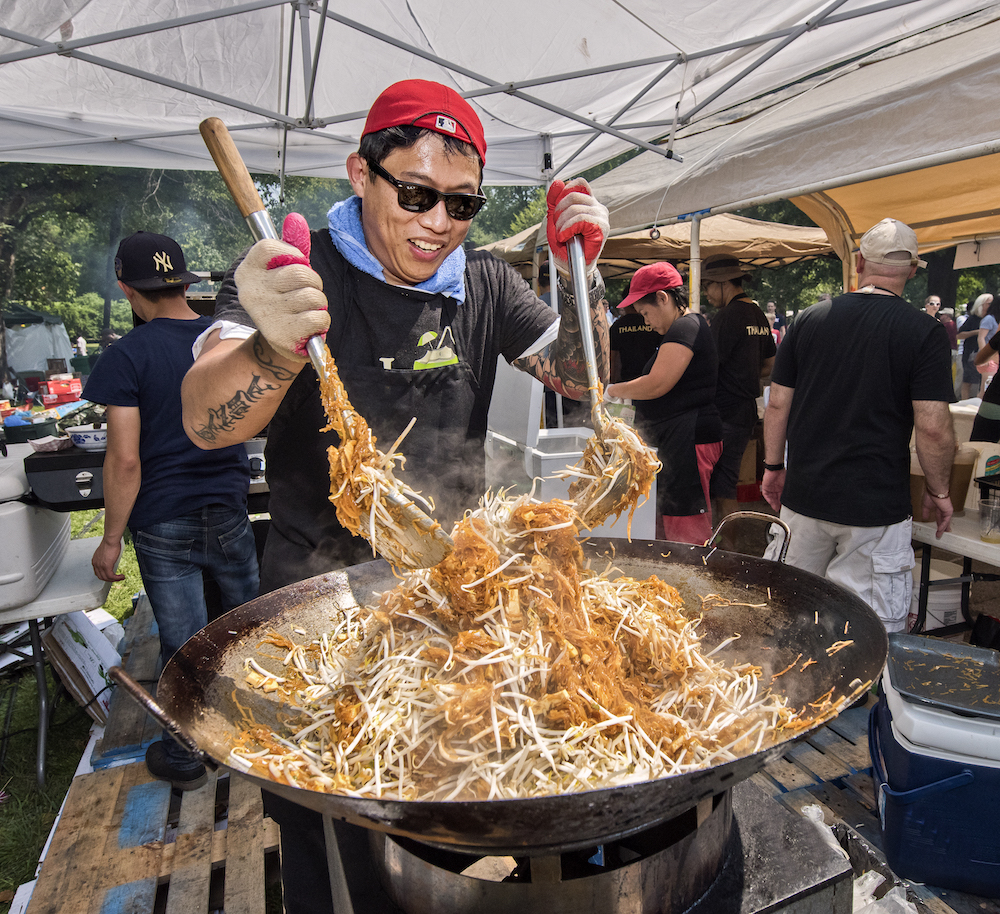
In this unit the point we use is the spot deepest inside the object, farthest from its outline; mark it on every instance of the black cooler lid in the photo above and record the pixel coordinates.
(72, 458)
(948, 675)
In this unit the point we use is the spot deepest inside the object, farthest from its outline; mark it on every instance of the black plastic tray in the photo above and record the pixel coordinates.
(943, 674)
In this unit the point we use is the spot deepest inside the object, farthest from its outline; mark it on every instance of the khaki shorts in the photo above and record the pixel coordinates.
(876, 563)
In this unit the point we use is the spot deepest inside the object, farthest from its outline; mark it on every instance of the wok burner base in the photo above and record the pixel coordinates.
(746, 854)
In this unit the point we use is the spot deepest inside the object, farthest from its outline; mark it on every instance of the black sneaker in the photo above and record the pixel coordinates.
(161, 767)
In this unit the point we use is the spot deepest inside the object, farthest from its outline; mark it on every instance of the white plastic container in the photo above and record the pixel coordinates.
(941, 733)
(944, 603)
(34, 538)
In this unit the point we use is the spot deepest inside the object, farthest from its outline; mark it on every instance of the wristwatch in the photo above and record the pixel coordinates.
(774, 467)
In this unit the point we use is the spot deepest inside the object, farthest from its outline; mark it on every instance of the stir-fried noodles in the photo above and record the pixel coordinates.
(511, 669)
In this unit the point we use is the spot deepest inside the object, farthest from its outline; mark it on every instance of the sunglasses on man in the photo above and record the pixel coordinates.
(418, 198)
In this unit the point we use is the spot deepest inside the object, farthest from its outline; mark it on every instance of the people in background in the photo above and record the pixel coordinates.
(947, 317)
(776, 320)
(186, 508)
(633, 343)
(852, 379)
(968, 334)
(986, 359)
(675, 402)
(746, 350)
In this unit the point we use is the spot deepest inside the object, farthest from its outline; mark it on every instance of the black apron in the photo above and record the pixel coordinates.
(397, 358)
(678, 485)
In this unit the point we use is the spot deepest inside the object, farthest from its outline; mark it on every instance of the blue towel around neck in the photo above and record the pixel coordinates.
(349, 238)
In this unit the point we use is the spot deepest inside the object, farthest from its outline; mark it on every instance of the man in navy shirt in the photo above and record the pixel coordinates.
(185, 507)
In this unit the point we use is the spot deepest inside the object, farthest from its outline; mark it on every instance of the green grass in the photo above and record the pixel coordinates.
(27, 813)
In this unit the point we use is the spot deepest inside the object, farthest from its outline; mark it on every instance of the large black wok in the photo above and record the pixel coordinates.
(805, 614)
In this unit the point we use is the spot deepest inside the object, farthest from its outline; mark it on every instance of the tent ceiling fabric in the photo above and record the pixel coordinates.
(847, 138)
(96, 82)
(756, 243)
(945, 204)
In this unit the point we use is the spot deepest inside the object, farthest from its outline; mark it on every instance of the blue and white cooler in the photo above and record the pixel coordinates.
(934, 737)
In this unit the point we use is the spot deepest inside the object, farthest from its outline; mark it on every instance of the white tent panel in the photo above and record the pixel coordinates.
(927, 105)
(30, 347)
(126, 84)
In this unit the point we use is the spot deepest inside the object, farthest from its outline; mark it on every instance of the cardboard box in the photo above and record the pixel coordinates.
(748, 466)
(81, 655)
(55, 399)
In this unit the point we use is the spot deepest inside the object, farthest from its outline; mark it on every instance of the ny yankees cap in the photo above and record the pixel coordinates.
(146, 261)
(421, 103)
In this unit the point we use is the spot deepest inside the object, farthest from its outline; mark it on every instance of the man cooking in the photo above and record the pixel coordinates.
(394, 286)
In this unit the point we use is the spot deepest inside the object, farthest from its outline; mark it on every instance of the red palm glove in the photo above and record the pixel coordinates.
(573, 210)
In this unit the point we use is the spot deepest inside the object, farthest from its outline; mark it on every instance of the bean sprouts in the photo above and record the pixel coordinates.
(511, 669)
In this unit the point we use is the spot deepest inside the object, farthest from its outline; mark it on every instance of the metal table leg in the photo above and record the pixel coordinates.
(925, 576)
(38, 660)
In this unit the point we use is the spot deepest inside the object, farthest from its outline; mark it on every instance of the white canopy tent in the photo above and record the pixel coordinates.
(566, 86)
(910, 134)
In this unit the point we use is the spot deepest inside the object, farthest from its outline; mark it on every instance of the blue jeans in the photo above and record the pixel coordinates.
(172, 555)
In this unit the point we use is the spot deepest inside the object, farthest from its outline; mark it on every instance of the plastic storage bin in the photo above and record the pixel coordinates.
(935, 805)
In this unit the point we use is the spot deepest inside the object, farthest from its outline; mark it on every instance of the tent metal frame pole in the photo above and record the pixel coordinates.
(694, 265)
(307, 61)
(46, 48)
(311, 81)
(146, 76)
(885, 171)
(806, 26)
(90, 139)
(627, 107)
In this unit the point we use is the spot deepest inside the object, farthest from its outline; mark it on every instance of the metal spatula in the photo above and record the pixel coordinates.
(613, 490)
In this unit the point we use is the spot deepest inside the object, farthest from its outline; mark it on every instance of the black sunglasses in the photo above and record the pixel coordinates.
(418, 198)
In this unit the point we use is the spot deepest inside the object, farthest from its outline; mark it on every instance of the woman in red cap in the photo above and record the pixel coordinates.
(675, 402)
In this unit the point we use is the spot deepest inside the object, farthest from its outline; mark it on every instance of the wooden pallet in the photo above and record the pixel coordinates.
(130, 729)
(832, 769)
(128, 843)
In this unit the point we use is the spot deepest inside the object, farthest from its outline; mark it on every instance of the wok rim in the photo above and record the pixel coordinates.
(422, 819)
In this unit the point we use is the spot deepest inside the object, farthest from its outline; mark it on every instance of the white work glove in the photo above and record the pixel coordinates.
(282, 293)
(573, 210)
(609, 399)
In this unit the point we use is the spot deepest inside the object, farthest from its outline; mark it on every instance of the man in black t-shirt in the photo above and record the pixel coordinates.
(185, 508)
(746, 353)
(389, 278)
(852, 378)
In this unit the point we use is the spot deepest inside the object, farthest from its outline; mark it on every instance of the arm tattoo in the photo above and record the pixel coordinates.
(279, 373)
(226, 416)
(562, 366)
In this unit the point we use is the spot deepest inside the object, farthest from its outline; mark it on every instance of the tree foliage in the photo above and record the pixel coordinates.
(60, 227)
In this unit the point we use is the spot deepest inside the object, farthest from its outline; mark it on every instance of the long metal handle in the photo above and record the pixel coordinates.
(234, 172)
(151, 707)
(581, 292)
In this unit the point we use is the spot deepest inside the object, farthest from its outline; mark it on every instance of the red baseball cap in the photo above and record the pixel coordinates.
(421, 103)
(654, 277)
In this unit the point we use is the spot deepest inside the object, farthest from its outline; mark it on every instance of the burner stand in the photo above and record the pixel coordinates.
(773, 860)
